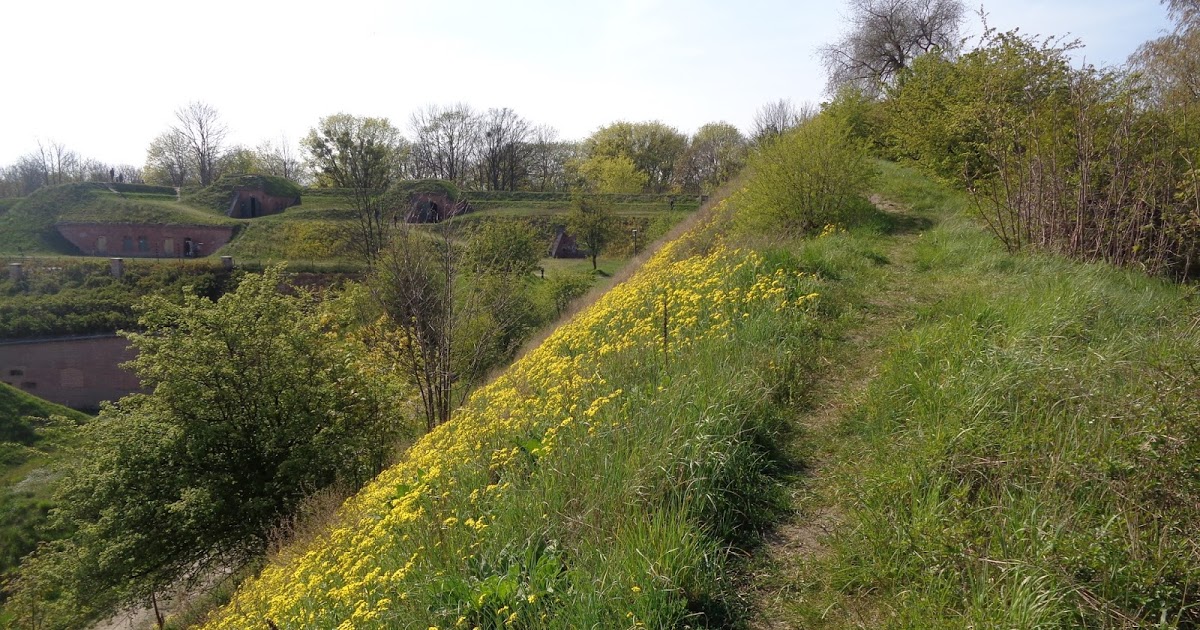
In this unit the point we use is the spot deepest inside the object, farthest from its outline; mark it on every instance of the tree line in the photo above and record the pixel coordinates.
(490, 149)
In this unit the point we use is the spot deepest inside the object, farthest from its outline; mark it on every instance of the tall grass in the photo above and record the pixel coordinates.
(1027, 455)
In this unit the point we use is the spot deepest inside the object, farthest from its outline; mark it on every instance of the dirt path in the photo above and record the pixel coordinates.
(777, 572)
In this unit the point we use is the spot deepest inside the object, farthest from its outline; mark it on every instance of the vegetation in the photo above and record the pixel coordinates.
(362, 155)
(256, 401)
(1096, 164)
(81, 297)
(592, 224)
(810, 177)
(32, 433)
(580, 488)
(218, 196)
(1021, 449)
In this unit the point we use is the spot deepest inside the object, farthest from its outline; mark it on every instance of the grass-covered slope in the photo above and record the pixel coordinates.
(28, 225)
(17, 406)
(1024, 452)
(28, 442)
(217, 197)
(596, 483)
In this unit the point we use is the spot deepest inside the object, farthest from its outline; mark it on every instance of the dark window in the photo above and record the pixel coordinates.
(143, 244)
(127, 243)
(29, 385)
(16, 372)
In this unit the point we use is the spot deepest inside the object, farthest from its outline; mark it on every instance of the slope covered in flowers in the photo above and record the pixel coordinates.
(598, 481)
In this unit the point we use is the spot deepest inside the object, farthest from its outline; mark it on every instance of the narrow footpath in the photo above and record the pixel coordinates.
(782, 569)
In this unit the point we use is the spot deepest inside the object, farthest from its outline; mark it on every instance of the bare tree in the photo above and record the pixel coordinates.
(548, 159)
(201, 127)
(169, 160)
(445, 320)
(503, 149)
(776, 117)
(446, 141)
(281, 159)
(885, 36)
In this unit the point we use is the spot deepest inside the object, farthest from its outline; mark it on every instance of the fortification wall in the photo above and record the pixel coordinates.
(251, 202)
(146, 241)
(77, 372)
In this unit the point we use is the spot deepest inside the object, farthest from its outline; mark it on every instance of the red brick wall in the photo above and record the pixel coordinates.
(136, 240)
(76, 372)
(264, 204)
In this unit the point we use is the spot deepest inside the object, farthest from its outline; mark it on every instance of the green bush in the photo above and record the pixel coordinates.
(812, 176)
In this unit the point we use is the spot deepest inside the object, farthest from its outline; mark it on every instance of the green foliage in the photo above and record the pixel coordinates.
(652, 147)
(403, 190)
(19, 410)
(364, 155)
(814, 175)
(143, 188)
(715, 154)
(1091, 163)
(255, 403)
(592, 224)
(78, 297)
(612, 175)
(506, 247)
(6, 203)
(31, 431)
(1024, 454)
(561, 289)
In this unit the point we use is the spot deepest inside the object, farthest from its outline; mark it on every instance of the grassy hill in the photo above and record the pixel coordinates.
(935, 432)
(28, 443)
(28, 226)
(313, 232)
(16, 406)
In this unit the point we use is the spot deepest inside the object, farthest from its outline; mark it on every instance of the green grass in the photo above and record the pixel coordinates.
(611, 477)
(216, 198)
(29, 443)
(28, 226)
(1025, 455)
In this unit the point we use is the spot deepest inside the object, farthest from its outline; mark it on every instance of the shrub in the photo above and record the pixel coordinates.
(812, 176)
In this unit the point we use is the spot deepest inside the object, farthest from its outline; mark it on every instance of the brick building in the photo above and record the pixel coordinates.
(145, 240)
(77, 372)
(252, 201)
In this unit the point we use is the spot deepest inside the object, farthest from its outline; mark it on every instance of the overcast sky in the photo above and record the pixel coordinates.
(105, 77)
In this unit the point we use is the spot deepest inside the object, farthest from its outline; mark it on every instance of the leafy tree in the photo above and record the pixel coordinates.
(509, 247)
(716, 153)
(592, 223)
(240, 160)
(810, 177)
(168, 161)
(611, 175)
(444, 321)
(281, 160)
(365, 156)
(255, 403)
(886, 36)
(653, 147)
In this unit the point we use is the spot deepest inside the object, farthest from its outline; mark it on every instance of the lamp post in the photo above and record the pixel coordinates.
(635, 241)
